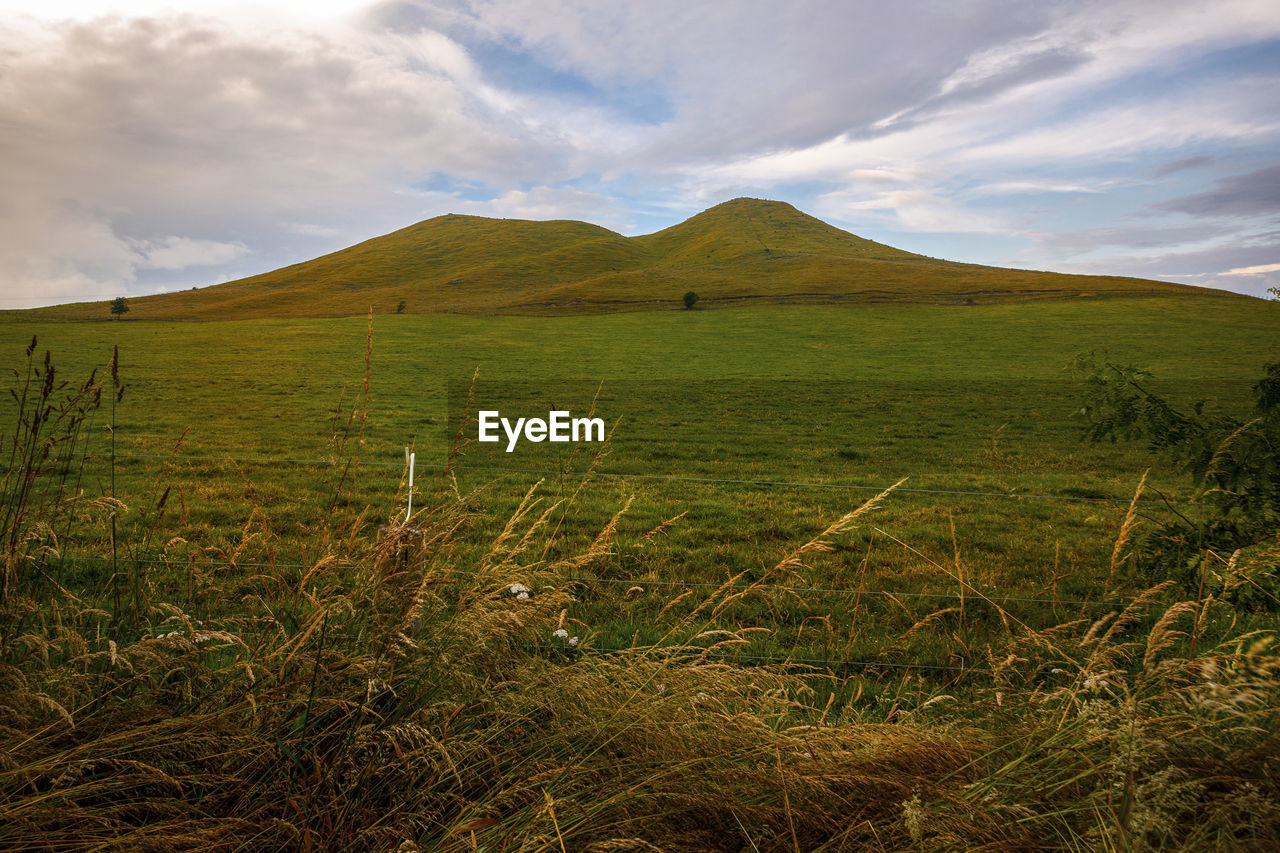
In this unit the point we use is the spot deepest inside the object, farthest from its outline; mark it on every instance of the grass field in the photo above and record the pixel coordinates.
(751, 431)
(852, 400)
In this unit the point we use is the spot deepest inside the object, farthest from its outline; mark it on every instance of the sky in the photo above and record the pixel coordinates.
(150, 146)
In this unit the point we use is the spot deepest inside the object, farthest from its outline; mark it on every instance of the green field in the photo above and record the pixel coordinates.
(753, 428)
(838, 403)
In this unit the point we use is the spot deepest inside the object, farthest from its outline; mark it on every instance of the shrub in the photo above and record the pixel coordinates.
(1233, 463)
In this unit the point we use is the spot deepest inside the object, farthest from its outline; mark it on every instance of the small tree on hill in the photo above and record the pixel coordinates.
(689, 299)
(400, 308)
(119, 306)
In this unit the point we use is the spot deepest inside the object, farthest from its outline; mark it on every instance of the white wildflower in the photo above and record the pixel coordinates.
(519, 590)
(573, 641)
(522, 596)
(561, 633)
(1057, 670)
(913, 818)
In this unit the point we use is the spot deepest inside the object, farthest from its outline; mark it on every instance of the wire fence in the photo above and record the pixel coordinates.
(691, 652)
(686, 651)
(993, 598)
(676, 478)
(784, 660)
(845, 665)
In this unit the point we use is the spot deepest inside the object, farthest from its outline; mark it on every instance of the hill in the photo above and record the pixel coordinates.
(745, 250)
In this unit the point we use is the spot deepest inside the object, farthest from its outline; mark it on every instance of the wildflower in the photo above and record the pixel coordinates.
(573, 641)
(519, 590)
(662, 688)
(1057, 670)
(560, 632)
(913, 817)
(522, 596)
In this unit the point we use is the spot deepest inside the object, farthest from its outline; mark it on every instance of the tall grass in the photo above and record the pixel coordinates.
(402, 693)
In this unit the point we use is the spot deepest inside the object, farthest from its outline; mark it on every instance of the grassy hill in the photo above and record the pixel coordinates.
(745, 250)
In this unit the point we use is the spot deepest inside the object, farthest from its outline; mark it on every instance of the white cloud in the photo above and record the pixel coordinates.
(1038, 186)
(1259, 269)
(53, 255)
(552, 203)
(911, 210)
(175, 253)
(201, 141)
(309, 229)
(143, 144)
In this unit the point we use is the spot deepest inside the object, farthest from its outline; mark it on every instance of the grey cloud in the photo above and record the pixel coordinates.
(1133, 236)
(1029, 68)
(1200, 262)
(743, 77)
(120, 135)
(1250, 194)
(179, 132)
(1197, 162)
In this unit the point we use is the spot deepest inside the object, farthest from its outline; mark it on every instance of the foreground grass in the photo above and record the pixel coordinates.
(409, 697)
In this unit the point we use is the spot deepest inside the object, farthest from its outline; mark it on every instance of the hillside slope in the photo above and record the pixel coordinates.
(742, 251)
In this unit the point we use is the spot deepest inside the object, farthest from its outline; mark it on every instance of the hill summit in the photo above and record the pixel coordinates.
(743, 251)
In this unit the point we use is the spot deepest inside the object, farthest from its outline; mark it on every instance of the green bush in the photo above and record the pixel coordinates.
(1233, 462)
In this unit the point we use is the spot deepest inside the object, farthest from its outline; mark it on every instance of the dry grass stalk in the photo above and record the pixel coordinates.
(1131, 522)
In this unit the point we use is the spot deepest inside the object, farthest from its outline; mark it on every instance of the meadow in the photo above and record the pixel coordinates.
(719, 538)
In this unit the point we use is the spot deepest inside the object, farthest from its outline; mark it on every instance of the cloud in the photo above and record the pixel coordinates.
(52, 253)
(151, 148)
(553, 203)
(742, 77)
(1037, 186)
(164, 144)
(1196, 162)
(1249, 194)
(1260, 269)
(1221, 265)
(310, 229)
(1069, 243)
(911, 210)
(175, 253)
